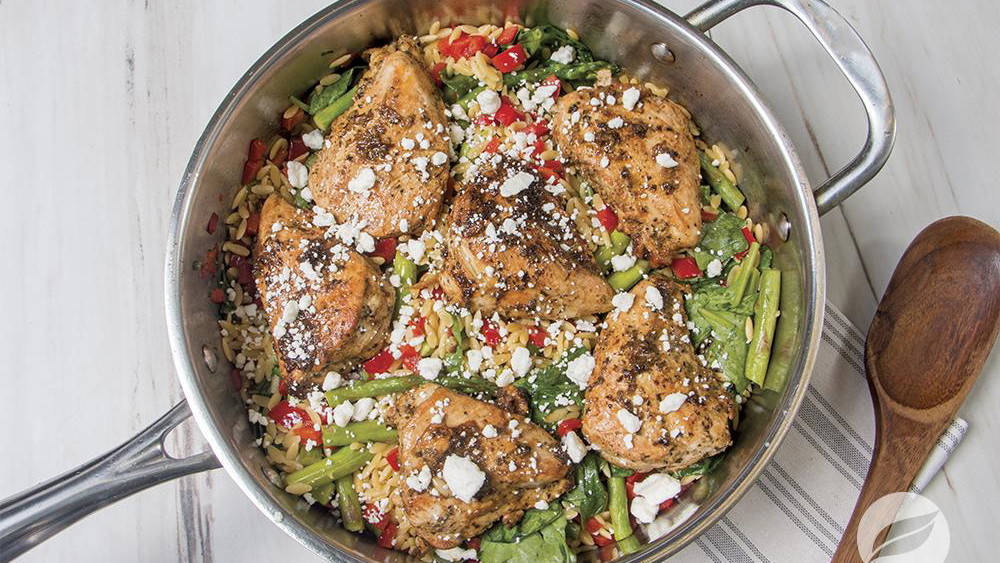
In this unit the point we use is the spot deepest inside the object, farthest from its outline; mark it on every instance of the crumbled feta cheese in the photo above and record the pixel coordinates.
(616, 123)
(657, 488)
(404, 225)
(343, 413)
(458, 112)
(630, 98)
(489, 431)
(714, 268)
(588, 136)
(332, 381)
(574, 446)
(672, 402)
(622, 301)
(665, 160)
(415, 249)
(564, 54)
(363, 181)
(439, 158)
(541, 505)
(474, 360)
(456, 554)
(629, 421)
(505, 378)
(643, 510)
(489, 101)
(578, 370)
(421, 480)
(516, 184)
(463, 477)
(654, 298)
(520, 361)
(605, 162)
(362, 408)
(429, 368)
(313, 139)
(622, 262)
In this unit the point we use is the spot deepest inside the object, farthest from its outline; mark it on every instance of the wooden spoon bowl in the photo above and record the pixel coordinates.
(931, 335)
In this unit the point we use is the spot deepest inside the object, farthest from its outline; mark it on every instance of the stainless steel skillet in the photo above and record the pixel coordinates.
(653, 44)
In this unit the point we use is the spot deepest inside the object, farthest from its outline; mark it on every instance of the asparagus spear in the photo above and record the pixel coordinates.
(619, 242)
(722, 186)
(324, 493)
(373, 388)
(343, 462)
(618, 505)
(406, 269)
(742, 274)
(364, 431)
(350, 505)
(325, 117)
(765, 320)
(623, 281)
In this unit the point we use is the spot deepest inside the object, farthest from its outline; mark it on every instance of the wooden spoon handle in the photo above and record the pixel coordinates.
(930, 337)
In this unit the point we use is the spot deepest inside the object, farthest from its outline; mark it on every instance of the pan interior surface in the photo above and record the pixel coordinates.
(631, 33)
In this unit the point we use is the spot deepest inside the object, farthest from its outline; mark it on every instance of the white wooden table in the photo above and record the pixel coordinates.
(101, 102)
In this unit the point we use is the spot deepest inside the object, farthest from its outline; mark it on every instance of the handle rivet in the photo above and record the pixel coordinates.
(211, 360)
(662, 53)
(784, 227)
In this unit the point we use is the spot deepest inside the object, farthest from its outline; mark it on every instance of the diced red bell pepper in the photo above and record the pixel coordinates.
(379, 364)
(708, 216)
(685, 268)
(536, 335)
(385, 249)
(511, 59)
(236, 378)
(491, 333)
(508, 35)
(417, 325)
(592, 525)
(507, 113)
(296, 148)
(483, 120)
(466, 46)
(284, 414)
(308, 432)
(748, 235)
(281, 158)
(410, 357)
(568, 425)
(553, 80)
(436, 72)
(213, 223)
(555, 166)
(255, 160)
(539, 128)
(245, 275)
(217, 295)
(253, 224)
(283, 387)
(492, 146)
(666, 504)
(393, 459)
(387, 539)
(606, 553)
(538, 148)
(289, 123)
(550, 176)
(437, 293)
(375, 517)
(608, 218)
(474, 543)
(210, 265)
(602, 541)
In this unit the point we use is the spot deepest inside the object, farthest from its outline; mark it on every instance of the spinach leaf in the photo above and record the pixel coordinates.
(589, 496)
(549, 388)
(552, 37)
(719, 327)
(540, 537)
(702, 467)
(458, 86)
(330, 93)
(722, 238)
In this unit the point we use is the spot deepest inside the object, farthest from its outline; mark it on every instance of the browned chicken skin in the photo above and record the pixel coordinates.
(615, 149)
(521, 255)
(396, 131)
(523, 463)
(327, 305)
(648, 354)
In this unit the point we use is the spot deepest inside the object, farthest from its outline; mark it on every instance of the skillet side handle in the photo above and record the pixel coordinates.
(855, 60)
(33, 516)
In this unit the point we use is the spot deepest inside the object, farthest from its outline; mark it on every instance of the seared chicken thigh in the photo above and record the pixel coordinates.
(514, 250)
(467, 463)
(651, 403)
(327, 305)
(386, 165)
(636, 151)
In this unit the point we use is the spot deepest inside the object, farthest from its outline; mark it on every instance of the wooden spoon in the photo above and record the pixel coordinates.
(933, 330)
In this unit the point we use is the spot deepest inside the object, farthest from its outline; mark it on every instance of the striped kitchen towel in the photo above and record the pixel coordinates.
(800, 504)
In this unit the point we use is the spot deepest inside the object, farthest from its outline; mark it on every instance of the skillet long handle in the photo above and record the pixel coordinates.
(856, 61)
(32, 516)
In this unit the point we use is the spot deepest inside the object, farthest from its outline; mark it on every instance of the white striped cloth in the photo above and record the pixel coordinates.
(798, 508)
